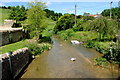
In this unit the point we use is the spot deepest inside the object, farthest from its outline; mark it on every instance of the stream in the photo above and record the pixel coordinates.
(56, 63)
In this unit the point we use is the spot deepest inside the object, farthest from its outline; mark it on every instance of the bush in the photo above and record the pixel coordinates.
(45, 39)
(45, 46)
(90, 44)
(36, 49)
(101, 61)
(66, 34)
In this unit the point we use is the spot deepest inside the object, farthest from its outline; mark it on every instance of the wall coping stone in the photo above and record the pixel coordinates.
(5, 55)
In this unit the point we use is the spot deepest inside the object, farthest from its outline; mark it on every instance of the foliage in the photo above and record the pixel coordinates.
(84, 35)
(87, 18)
(82, 20)
(90, 44)
(18, 13)
(64, 22)
(110, 50)
(36, 18)
(86, 14)
(115, 12)
(36, 49)
(101, 61)
(5, 7)
(44, 38)
(78, 27)
(103, 47)
(66, 34)
(52, 15)
(107, 28)
(114, 53)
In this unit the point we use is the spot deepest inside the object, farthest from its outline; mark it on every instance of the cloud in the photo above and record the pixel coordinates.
(48, 3)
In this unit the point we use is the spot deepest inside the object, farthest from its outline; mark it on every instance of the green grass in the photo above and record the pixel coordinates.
(13, 46)
(4, 14)
(49, 29)
(84, 35)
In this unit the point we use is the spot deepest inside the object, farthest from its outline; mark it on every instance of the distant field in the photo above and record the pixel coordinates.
(4, 14)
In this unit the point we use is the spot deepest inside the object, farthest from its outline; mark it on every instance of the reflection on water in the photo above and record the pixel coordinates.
(56, 63)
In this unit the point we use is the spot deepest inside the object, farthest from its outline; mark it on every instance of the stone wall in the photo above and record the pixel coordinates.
(10, 35)
(19, 60)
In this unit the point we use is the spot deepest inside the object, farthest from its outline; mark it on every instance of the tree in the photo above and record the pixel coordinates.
(51, 14)
(64, 22)
(107, 28)
(115, 12)
(36, 18)
(18, 13)
(86, 14)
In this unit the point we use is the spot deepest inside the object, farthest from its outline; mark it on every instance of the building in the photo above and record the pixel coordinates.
(95, 16)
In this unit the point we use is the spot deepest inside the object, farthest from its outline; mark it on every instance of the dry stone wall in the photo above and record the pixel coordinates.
(19, 59)
(10, 35)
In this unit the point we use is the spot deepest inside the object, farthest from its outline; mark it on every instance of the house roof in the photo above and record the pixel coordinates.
(92, 15)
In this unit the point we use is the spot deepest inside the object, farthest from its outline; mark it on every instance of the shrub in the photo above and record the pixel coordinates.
(90, 44)
(36, 49)
(66, 34)
(101, 61)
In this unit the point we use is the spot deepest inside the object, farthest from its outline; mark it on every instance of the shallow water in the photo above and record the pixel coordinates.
(56, 63)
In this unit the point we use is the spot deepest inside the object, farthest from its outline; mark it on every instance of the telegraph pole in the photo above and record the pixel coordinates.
(75, 13)
(111, 9)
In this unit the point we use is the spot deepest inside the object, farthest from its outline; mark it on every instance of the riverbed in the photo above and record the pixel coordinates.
(56, 63)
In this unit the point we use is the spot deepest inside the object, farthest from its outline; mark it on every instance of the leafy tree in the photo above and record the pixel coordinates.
(86, 18)
(115, 12)
(64, 22)
(86, 14)
(36, 18)
(107, 28)
(51, 14)
(18, 13)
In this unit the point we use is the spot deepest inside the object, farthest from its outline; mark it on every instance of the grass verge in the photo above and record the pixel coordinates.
(13, 46)
(34, 47)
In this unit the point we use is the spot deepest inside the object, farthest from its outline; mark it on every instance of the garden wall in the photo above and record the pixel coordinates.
(19, 59)
(10, 35)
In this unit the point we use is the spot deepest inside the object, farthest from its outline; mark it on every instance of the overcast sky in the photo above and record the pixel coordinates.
(61, 0)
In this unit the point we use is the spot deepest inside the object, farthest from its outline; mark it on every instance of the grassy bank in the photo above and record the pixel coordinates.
(34, 47)
(79, 35)
(13, 46)
(4, 14)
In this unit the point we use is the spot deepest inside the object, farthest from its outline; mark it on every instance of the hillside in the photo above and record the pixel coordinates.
(4, 14)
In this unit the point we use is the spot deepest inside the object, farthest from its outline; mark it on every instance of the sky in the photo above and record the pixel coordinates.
(48, 2)
(62, 0)
(68, 5)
